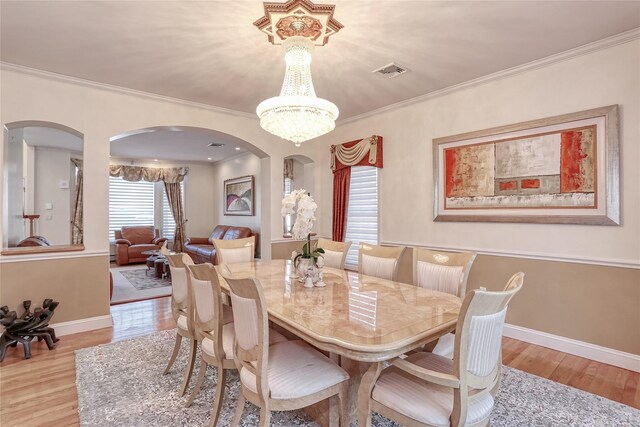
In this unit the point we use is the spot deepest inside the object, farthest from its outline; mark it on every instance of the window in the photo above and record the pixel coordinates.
(139, 203)
(362, 213)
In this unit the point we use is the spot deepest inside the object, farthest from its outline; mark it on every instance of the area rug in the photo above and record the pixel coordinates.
(141, 279)
(121, 384)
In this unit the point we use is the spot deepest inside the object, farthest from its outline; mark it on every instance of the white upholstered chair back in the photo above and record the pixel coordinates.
(379, 261)
(442, 271)
(251, 329)
(179, 286)
(236, 250)
(206, 296)
(477, 353)
(335, 253)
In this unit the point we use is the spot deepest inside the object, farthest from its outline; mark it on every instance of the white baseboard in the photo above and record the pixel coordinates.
(82, 325)
(578, 348)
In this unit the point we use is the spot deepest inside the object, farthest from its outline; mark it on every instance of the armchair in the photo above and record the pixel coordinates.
(132, 241)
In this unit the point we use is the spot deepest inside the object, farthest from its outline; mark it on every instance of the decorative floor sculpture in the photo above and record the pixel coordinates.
(29, 326)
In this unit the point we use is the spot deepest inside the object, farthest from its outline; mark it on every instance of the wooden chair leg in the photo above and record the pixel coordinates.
(265, 417)
(217, 401)
(344, 406)
(364, 394)
(239, 410)
(187, 373)
(196, 389)
(176, 350)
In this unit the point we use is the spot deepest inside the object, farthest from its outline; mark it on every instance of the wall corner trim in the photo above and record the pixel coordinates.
(595, 352)
(82, 325)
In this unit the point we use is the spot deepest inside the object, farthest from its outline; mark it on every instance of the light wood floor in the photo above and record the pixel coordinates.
(41, 391)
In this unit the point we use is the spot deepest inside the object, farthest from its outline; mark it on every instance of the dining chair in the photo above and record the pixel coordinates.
(182, 311)
(335, 253)
(285, 376)
(213, 324)
(379, 261)
(235, 250)
(425, 389)
(444, 272)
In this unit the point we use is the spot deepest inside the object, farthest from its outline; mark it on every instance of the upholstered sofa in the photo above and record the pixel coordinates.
(132, 241)
(201, 249)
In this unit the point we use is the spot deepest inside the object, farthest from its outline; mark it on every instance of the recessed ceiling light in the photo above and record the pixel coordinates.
(208, 158)
(155, 160)
(215, 144)
(238, 148)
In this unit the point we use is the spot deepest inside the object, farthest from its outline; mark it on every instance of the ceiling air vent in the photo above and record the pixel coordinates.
(391, 70)
(216, 145)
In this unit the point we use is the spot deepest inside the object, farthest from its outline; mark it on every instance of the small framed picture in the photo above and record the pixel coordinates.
(239, 196)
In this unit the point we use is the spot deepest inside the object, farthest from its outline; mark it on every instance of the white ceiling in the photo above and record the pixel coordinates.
(45, 137)
(209, 52)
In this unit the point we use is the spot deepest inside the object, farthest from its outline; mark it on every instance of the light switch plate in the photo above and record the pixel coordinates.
(63, 183)
(48, 206)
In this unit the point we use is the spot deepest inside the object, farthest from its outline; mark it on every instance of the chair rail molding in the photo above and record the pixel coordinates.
(608, 262)
(52, 256)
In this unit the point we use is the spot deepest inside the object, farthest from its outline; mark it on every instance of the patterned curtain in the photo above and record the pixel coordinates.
(288, 168)
(341, 181)
(363, 152)
(174, 197)
(140, 173)
(76, 215)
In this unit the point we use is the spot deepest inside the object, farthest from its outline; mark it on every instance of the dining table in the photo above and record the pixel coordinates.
(359, 321)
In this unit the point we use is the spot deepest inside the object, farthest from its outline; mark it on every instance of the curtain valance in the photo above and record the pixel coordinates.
(364, 152)
(141, 173)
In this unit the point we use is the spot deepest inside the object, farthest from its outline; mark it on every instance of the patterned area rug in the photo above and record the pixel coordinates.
(121, 384)
(142, 279)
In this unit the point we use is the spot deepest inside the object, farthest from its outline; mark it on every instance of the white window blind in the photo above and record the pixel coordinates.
(168, 224)
(362, 213)
(130, 203)
(287, 219)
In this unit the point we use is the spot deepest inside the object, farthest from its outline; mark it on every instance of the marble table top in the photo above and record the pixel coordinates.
(358, 316)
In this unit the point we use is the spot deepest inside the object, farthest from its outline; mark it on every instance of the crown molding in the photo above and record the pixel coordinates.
(596, 46)
(119, 89)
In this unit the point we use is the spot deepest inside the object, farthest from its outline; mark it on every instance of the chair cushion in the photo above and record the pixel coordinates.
(423, 401)
(296, 370)
(135, 251)
(139, 234)
(227, 341)
(332, 259)
(234, 256)
(237, 233)
(182, 323)
(443, 278)
(445, 346)
(378, 267)
(218, 232)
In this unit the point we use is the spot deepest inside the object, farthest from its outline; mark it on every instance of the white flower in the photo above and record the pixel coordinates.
(305, 212)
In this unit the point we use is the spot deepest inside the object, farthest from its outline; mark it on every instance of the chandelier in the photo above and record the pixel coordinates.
(298, 115)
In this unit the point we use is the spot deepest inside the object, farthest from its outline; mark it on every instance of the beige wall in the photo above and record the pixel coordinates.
(51, 166)
(592, 303)
(99, 113)
(242, 165)
(81, 285)
(579, 301)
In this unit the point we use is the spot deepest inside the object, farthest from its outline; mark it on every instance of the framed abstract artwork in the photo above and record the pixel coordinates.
(239, 196)
(562, 169)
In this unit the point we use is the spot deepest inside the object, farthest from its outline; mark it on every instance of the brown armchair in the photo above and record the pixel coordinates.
(132, 241)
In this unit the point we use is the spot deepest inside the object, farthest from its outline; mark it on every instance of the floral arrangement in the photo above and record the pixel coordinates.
(301, 203)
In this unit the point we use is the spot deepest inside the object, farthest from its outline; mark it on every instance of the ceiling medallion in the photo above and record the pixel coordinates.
(298, 114)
